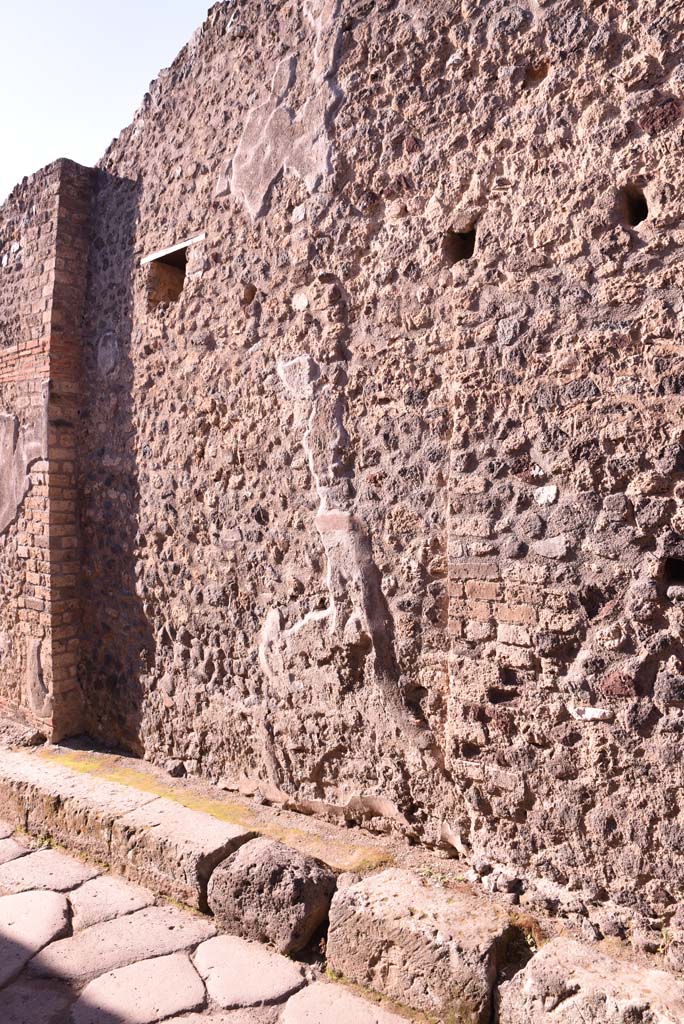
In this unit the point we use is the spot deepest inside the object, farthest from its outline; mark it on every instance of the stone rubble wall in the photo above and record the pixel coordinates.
(382, 517)
(27, 239)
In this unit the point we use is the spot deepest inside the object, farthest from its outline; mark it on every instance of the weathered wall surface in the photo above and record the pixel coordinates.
(240, 556)
(22, 446)
(44, 240)
(29, 227)
(383, 516)
(27, 237)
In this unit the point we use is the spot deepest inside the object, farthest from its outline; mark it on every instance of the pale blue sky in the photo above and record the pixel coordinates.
(73, 73)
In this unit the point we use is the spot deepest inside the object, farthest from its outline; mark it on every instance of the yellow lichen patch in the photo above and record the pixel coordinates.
(339, 854)
(116, 769)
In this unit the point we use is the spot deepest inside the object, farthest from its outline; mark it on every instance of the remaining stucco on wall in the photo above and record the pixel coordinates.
(20, 447)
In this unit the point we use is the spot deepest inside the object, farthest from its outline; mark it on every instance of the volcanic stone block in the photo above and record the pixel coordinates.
(28, 921)
(141, 993)
(567, 982)
(239, 974)
(269, 892)
(432, 949)
(156, 931)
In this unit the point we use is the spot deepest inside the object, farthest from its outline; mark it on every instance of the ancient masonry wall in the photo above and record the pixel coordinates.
(44, 241)
(382, 507)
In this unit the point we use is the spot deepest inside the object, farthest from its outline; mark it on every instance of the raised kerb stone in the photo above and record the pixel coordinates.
(173, 849)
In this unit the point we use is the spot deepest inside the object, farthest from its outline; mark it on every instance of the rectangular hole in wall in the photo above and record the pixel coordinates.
(166, 270)
(674, 572)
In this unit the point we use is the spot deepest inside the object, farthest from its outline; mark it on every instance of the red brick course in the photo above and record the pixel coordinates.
(40, 377)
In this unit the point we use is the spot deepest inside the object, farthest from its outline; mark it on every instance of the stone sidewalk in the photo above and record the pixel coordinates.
(80, 946)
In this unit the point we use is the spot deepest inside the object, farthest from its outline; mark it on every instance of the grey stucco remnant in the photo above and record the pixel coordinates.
(20, 447)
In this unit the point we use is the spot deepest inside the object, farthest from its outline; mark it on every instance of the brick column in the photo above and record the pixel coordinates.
(40, 388)
(71, 261)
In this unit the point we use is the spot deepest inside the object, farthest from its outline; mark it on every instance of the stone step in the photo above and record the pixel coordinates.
(172, 849)
(147, 838)
(432, 949)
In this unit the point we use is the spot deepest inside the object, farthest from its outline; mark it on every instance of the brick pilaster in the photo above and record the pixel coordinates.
(71, 259)
(43, 374)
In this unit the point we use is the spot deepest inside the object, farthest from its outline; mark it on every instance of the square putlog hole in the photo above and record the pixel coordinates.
(458, 246)
(166, 272)
(674, 572)
(633, 205)
(165, 283)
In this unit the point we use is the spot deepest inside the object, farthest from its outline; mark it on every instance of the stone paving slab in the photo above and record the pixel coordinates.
(104, 898)
(173, 849)
(155, 931)
(10, 849)
(28, 922)
(45, 869)
(35, 1002)
(323, 1003)
(239, 973)
(142, 993)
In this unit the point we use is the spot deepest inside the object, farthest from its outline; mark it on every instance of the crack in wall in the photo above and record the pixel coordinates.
(357, 618)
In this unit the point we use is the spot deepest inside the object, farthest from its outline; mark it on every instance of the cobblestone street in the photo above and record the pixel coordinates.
(79, 946)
